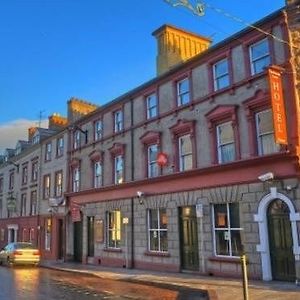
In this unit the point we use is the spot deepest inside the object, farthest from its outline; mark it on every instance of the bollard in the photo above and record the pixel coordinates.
(245, 276)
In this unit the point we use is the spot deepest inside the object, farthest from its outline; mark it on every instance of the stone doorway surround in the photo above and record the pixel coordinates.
(261, 218)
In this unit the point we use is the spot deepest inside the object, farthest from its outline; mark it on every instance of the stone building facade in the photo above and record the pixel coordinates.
(183, 172)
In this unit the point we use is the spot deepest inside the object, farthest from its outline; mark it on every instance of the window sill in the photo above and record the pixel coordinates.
(160, 254)
(233, 260)
(114, 250)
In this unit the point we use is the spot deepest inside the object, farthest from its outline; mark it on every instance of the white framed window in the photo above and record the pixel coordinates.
(118, 160)
(58, 183)
(183, 92)
(33, 203)
(114, 229)
(118, 120)
(97, 174)
(23, 204)
(46, 186)
(76, 140)
(48, 228)
(48, 151)
(151, 101)
(34, 171)
(221, 74)
(11, 180)
(152, 160)
(227, 229)
(31, 235)
(265, 133)
(185, 152)
(36, 139)
(60, 147)
(76, 179)
(225, 142)
(259, 56)
(98, 128)
(25, 175)
(157, 230)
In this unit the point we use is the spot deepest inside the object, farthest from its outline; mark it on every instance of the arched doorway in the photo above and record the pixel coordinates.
(280, 241)
(262, 219)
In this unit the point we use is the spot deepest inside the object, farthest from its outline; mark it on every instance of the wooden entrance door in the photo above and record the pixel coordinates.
(77, 241)
(189, 238)
(281, 241)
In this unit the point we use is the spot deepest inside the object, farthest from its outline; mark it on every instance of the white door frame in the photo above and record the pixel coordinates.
(261, 218)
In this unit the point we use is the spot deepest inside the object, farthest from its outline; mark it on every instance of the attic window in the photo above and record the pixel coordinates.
(36, 139)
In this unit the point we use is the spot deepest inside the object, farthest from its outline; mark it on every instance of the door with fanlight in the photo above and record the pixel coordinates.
(280, 241)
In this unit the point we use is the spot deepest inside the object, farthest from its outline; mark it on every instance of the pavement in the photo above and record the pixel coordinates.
(217, 288)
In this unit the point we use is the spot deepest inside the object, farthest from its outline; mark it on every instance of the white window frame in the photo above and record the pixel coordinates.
(158, 229)
(259, 137)
(60, 146)
(23, 204)
(25, 175)
(97, 174)
(227, 229)
(114, 230)
(151, 107)
(35, 170)
(76, 140)
(118, 159)
(48, 151)
(220, 146)
(33, 203)
(118, 120)
(183, 156)
(263, 56)
(58, 183)
(47, 183)
(181, 94)
(98, 128)
(76, 179)
(219, 77)
(152, 163)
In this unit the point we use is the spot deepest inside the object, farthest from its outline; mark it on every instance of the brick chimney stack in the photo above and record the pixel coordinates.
(175, 45)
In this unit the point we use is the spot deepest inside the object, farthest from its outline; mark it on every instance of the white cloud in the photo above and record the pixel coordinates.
(16, 130)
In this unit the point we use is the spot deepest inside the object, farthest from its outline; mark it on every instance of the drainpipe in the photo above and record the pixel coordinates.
(132, 179)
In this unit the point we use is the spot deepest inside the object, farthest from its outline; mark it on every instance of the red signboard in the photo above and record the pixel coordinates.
(75, 212)
(279, 118)
(162, 159)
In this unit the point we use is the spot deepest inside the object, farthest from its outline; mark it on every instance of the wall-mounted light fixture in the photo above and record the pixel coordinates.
(266, 177)
(141, 196)
(85, 132)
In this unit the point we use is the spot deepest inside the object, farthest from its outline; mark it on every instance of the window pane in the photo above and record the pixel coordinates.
(163, 218)
(154, 240)
(153, 219)
(236, 243)
(222, 242)
(164, 240)
(227, 153)
(220, 216)
(225, 133)
(234, 215)
(265, 122)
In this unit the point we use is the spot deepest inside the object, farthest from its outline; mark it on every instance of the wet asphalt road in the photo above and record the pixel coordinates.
(23, 283)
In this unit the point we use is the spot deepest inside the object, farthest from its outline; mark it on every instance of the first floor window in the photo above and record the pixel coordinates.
(46, 186)
(23, 205)
(225, 142)
(152, 161)
(97, 174)
(31, 235)
(58, 183)
(114, 229)
(118, 169)
(33, 203)
(76, 179)
(185, 153)
(48, 227)
(227, 229)
(157, 230)
(265, 133)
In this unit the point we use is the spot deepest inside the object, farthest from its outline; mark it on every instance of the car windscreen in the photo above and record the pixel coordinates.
(24, 246)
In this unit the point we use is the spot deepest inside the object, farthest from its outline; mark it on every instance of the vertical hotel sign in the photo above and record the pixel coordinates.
(279, 118)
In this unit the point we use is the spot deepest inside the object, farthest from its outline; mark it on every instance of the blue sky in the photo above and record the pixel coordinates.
(52, 50)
